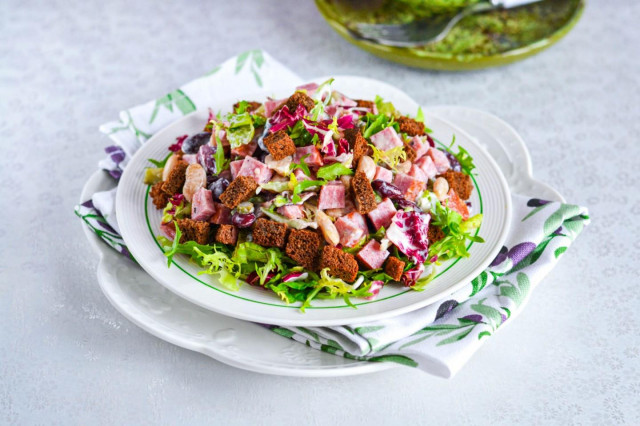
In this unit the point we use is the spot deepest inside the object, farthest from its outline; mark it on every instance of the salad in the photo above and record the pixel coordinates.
(315, 196)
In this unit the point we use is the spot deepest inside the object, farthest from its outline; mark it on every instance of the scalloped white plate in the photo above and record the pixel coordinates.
(139, 223)
(244, 345)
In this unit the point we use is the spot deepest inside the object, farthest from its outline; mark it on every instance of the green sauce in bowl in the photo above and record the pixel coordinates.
(484, 39)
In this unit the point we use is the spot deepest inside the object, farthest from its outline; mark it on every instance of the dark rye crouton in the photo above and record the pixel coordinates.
(411, 153)
(410, 126)
(394, 267)
(175, 180)
(365, 104)
(227, 234)
(240, 189)
(251, 106)
(302, 246)
(342, 265)
(357, 143)
(363, 195)
(460, 183)
(299, 98)
(268, 233)
(193, 230)
(434, 234)
(160, 198)
(280, 145)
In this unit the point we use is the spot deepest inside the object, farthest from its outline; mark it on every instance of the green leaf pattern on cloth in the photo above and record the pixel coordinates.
(178, 98)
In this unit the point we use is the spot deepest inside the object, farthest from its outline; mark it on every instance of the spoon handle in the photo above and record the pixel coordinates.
(508, 4)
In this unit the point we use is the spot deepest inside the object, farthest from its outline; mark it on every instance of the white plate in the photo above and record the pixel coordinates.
(139, 222)
(244, 345)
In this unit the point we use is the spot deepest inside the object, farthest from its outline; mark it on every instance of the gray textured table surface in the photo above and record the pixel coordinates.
(66, 356)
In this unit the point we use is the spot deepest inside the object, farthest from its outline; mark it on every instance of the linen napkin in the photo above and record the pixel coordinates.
(439, 338)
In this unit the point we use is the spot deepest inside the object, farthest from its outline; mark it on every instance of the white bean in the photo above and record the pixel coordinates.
(327, 227)
(441, 188)
(346, 181)
(169, 165)
(367, 166)
(196, 178)
(404, 167)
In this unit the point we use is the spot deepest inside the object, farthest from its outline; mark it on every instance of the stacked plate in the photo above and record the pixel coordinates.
(195, 312)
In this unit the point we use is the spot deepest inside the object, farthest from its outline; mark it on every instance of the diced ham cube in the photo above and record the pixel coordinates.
(351, 228)
(234, 167)
(427, 166)
(314, 159)
(440, 160)
(271, 105)
(419, 145)
(293, 211)
(409, 186)
(382, 215)
(255, 169)
(417, 173)
(332, 196)
(386, 139)
(404, 167)
(221, 215)
(245, 150)
(281, 167)
(169, 229)
(372, 255)
(338, 98)
(190, 158)
(456, 204)
(310, 88)
(202, 207)
(383, 174)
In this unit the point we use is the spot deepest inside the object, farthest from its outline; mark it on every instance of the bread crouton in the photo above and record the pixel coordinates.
(227, 234)
(268, 233)
(410, 126)
(365, 104)
(240, 189)
(434, 234)
(363, 195)
(299, 98)
(160, 198)
(394, 267)
(175, 181)
(193, 230)
(302, 246)
(357, 143)
(251, 106)
(412, 155)
(460, 182)
(280, 145)
(341, 265)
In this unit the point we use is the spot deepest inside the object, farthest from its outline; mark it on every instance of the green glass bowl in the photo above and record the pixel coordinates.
(416, 57)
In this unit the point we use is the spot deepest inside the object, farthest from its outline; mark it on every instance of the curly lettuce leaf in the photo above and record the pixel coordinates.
(457, 233)
(240, 131)
(385, 108)
(391, 157)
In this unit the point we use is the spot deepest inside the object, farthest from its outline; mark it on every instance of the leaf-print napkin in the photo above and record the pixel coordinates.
(439, 338)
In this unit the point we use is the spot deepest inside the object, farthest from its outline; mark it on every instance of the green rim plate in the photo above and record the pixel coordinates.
(449, 61)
